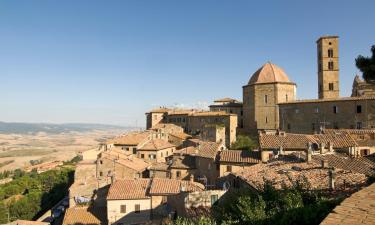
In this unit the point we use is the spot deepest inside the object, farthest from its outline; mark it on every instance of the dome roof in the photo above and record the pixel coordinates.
(269, 73)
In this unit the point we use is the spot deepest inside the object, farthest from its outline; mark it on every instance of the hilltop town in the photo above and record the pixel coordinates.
(185, 163)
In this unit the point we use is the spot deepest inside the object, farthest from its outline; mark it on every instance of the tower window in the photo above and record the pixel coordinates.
(359, 109)
(330, 43)
(330, 86)
(335, 109)
(330, 53)
(266, 119)
(266, 99)
(330, 65)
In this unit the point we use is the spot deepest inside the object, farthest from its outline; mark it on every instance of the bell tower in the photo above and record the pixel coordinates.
(328, 67)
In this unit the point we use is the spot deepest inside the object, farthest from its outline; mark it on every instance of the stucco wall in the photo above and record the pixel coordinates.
(115, 215)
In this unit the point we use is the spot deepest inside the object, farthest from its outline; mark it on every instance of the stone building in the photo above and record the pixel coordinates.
(267, 87)
(229, 105)
(155, 150)
(362, 88)
(237, 160)
(194, 122)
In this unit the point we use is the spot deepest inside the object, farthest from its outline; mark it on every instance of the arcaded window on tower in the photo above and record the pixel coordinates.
(330, 65)
(330, 53)
(330, 85)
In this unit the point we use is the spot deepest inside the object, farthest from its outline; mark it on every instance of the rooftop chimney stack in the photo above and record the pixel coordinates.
(332, 177)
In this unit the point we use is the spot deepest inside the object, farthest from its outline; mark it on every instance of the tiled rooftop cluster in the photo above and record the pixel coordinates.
(357, 209)
(286, 172)
(144, 188)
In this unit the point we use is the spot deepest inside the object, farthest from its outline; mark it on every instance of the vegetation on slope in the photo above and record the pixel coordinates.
(244, 143)
(31, 194)
(277, 207)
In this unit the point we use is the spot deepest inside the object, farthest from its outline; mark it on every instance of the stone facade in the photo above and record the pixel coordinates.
(231, 106)
(310, 116)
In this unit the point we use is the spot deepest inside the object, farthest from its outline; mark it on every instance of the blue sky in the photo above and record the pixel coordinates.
(110, 61)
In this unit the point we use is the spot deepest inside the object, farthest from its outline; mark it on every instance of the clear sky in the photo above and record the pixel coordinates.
(110, 61)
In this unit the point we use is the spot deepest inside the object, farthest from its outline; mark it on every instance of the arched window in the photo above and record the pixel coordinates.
(330, 65)
(330, 53)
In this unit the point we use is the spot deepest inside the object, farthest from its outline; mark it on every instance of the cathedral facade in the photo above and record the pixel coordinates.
(269, 98)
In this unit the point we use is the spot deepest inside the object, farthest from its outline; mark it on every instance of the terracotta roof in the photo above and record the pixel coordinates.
(129, 189)
(226, 100)
(359, 208)
(165, 186)
(329, 100)
(342, 140)
(359, 165)
(186, 151)
(269, 73)
(160, 110)
(182, 135)
(280, 174)
(208, 149)
(169, 126)
(133, 138)
(156, 144)
(301, 141)
(287, 141)
(350, 131)
(85, 216)
(126, 159)
(212, 113)
(144, 188)
(183, 162)
(240, 156)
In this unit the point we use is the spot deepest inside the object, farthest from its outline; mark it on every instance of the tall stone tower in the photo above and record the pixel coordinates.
(328, 67)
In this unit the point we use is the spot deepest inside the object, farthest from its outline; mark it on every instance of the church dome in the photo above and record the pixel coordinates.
(269, 73)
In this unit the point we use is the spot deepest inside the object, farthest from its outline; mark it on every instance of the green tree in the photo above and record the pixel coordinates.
(367, 66)
(244, 143)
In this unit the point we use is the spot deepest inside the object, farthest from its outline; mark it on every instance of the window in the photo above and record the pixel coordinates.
(134, 151)
(214, 199)
(142, 156)
(330, 43)
(286, 97)
(289, 126)
(266, 119)
(229, 168)
(330, 53)
(266, 99)
(178, 174)
(101, 173)
(335, 109)
(152, 156)
(330, 65)
(101, 161)
(297, 111)
(359, 109)
(123, 208)
(330, 85)
(313, 126)
(137, 208)
(359, 125)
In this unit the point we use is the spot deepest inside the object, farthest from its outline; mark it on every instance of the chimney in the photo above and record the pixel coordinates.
(192, 178)
(330, 147)
(325, 163)
(322, 147)
(332, 177)
(264, 155)
(309, 155)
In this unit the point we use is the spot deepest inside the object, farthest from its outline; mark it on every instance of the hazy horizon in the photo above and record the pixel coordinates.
(110, 62)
